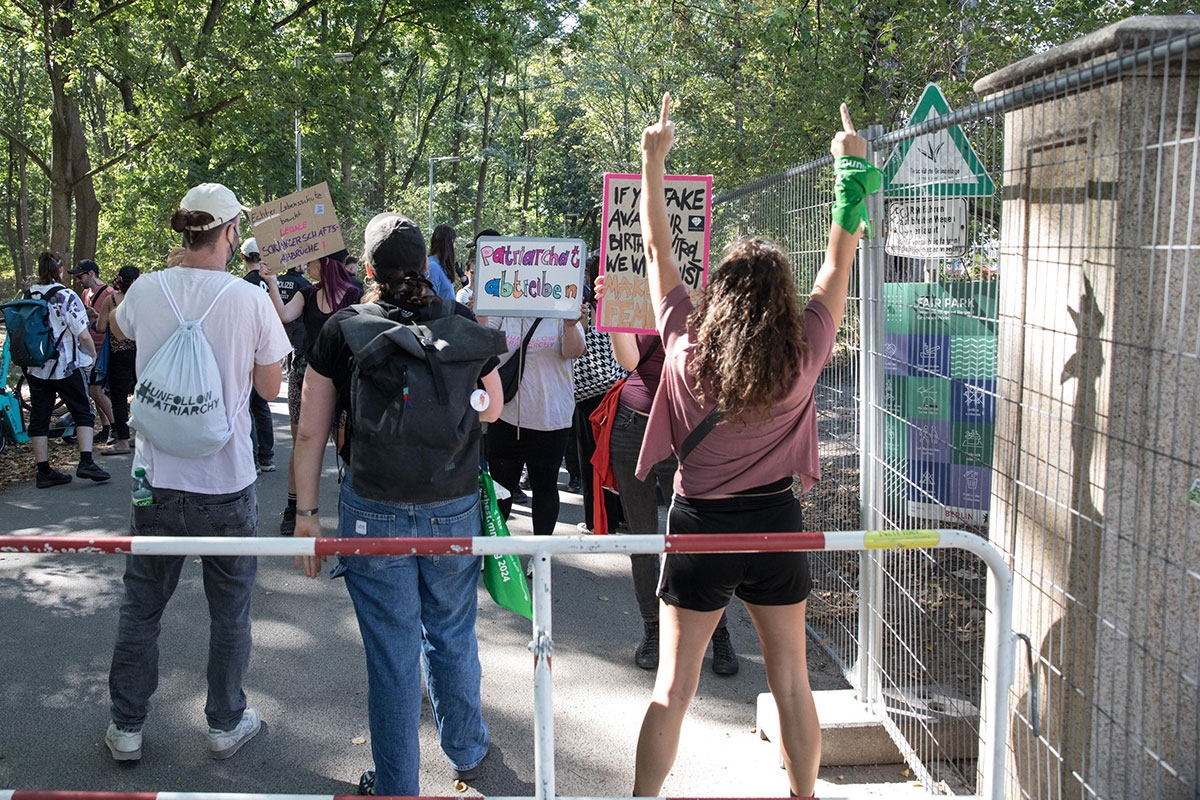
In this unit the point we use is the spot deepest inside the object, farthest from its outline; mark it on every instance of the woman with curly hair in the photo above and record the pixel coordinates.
(736, 406)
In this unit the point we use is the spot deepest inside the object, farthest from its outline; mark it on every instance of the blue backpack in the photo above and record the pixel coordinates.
(30, 337)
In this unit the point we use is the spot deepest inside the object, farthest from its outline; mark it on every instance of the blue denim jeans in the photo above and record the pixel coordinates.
(151, 580)
(416, 613)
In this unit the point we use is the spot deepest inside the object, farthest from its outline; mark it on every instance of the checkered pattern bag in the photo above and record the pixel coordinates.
(597, 370)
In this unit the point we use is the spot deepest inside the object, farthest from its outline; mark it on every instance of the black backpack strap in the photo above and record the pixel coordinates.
(53, 290)
(696, 436)
(96, 294)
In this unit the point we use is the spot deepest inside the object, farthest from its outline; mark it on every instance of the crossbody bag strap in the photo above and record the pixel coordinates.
(520, 356)
(528, 336)
(653, 347)
(697, 435)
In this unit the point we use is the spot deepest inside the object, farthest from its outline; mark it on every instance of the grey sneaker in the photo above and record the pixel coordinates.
(223, 744)
(124, 745)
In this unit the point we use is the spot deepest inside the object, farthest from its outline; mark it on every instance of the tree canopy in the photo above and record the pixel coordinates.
(111, 109)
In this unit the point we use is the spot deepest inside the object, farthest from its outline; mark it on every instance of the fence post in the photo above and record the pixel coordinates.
(543, 682)
(871, 479)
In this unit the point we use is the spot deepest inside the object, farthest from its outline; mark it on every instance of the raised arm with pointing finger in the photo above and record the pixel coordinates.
(735, 404)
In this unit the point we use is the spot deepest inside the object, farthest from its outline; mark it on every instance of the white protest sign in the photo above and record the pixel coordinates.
(296, 229)
(626, 305)
(529, 277)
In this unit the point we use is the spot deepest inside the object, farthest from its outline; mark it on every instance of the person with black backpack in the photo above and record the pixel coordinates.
(61, 375)
(417, 374)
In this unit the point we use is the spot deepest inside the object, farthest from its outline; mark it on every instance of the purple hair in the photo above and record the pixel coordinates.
(335, 282)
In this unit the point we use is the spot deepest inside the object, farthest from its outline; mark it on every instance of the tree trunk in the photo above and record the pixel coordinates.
(25, 272)
(87, 207)
(484, 142)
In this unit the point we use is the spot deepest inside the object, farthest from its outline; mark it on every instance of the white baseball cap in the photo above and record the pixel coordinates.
(214, 199)
(250, 246)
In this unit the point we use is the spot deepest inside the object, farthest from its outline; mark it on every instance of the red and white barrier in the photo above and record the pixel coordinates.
(998, 643)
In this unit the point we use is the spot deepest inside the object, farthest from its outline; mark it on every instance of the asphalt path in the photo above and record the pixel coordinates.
(308, 679)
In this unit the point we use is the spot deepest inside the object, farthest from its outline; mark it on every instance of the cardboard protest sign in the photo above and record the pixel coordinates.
(296, 229)
(626, 305)
(527, 277)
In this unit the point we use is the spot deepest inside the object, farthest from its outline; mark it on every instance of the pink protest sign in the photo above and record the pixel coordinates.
(626, 305)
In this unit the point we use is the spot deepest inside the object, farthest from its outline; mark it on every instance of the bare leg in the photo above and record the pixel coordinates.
(83, 438)
(104, 412)
(684, 638)
(41, 444)
(781, 631)
(291, 465)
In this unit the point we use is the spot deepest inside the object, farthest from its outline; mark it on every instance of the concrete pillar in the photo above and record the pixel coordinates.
(1096, 435)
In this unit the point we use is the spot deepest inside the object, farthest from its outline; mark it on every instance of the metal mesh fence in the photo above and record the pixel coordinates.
(1019, 358)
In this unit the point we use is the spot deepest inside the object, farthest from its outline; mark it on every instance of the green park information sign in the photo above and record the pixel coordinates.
(940, 398)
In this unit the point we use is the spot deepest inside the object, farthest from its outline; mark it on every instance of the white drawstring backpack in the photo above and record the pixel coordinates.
(178, 404)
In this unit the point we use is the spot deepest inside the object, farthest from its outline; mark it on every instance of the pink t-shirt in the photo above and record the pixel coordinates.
(735, 455)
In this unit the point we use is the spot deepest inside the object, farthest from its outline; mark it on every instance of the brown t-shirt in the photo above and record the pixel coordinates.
(735, 456)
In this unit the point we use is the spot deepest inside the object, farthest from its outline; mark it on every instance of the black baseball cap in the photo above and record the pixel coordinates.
(393, 243)
(85, 265)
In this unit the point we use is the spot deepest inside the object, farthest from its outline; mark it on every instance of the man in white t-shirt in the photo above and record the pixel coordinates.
(197, 496)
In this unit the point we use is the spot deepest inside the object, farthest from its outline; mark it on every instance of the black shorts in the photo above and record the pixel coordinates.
(73, 391)
(706, 581)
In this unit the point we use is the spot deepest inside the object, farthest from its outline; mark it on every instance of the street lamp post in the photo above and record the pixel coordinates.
(438, 159)
(341, 58)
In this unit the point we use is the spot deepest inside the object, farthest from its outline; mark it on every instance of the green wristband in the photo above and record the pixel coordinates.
(854, 179)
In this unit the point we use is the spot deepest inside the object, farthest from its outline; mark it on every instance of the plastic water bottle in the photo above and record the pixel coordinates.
(142, 496)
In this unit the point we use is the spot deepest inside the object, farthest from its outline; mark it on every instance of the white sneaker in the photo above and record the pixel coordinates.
(124, 745)
(223, 744)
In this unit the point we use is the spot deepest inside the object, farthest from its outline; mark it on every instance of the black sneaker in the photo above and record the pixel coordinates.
(112, 439)
(266, 464)
(520, 497)
(725, 660)
(646, 655)
(91, 471)
(288, 526)
(366, 783)
(575, 484)
(54, 478)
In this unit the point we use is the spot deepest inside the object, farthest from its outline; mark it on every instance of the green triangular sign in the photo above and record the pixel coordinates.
(940, 164)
